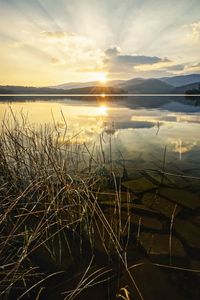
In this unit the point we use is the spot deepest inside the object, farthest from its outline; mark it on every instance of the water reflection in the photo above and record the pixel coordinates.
(140, 127)
(109, 128)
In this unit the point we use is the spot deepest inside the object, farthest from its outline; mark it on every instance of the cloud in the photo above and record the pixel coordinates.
(58, 61)
(179, 67)
(161, 69)
(56, 34)
(197, 65)
(192, 67)
(195, 30)
(135, 60)
(55, 60)
(179, 146)
(113, 51)
(117, 62)
(65, 39)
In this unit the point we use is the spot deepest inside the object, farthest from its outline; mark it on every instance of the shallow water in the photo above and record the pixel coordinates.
(138, 128)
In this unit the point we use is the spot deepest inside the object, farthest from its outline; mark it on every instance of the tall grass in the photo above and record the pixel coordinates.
(50, 218)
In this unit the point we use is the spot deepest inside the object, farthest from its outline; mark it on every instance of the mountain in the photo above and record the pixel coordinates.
(77, 85)
(96, 90)
(150, 86)
(84, 90)
(165, 85)
(29, 90)
(131, 82)
(4, 90)
(192, 88)
(178, 81)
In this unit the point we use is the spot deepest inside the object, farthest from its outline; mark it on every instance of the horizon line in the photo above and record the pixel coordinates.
(99, 95)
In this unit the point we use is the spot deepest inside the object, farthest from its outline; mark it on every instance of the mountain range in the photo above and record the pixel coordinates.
(166, 85)
(58, 91)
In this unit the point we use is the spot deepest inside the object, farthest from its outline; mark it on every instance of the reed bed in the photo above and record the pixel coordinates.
(50, 217)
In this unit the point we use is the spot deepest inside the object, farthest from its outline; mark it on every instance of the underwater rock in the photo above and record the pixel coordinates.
(181, 197)
(143, 210)
(150, 281)
(161, 205)
(112, 196)
(159, 249)
(190, 235)
(145, 222)
(136, 222)
(139, 185)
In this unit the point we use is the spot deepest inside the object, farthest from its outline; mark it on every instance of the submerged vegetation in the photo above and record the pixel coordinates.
(74, 225)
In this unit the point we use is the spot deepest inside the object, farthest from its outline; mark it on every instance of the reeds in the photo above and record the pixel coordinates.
(50, 218)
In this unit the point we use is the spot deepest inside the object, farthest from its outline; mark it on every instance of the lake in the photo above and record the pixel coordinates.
(145, 214)
(141, 129)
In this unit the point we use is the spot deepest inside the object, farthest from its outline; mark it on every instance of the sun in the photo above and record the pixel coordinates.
(103, 77)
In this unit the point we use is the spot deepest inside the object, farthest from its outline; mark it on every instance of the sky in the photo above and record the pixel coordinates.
(49, 42)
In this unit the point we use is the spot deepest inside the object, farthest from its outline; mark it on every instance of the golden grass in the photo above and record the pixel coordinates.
(48, 194)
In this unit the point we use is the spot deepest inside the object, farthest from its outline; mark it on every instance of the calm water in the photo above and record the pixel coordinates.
(139, 127)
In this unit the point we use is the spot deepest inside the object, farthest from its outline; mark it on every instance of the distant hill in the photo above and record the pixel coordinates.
(4, 90)
(97, 90)
(150, 86)
(84, 90)
(165, 85)
(77, 85)
(29, 90)
(189, 88)
(131, 82)
(178, 81)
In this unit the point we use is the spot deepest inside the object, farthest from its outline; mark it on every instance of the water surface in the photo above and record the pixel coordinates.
(139, 128)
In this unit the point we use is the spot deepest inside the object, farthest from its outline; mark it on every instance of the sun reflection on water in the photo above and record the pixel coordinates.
(103, 110)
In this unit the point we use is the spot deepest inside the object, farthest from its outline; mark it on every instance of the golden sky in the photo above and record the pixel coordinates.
(48, 42)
